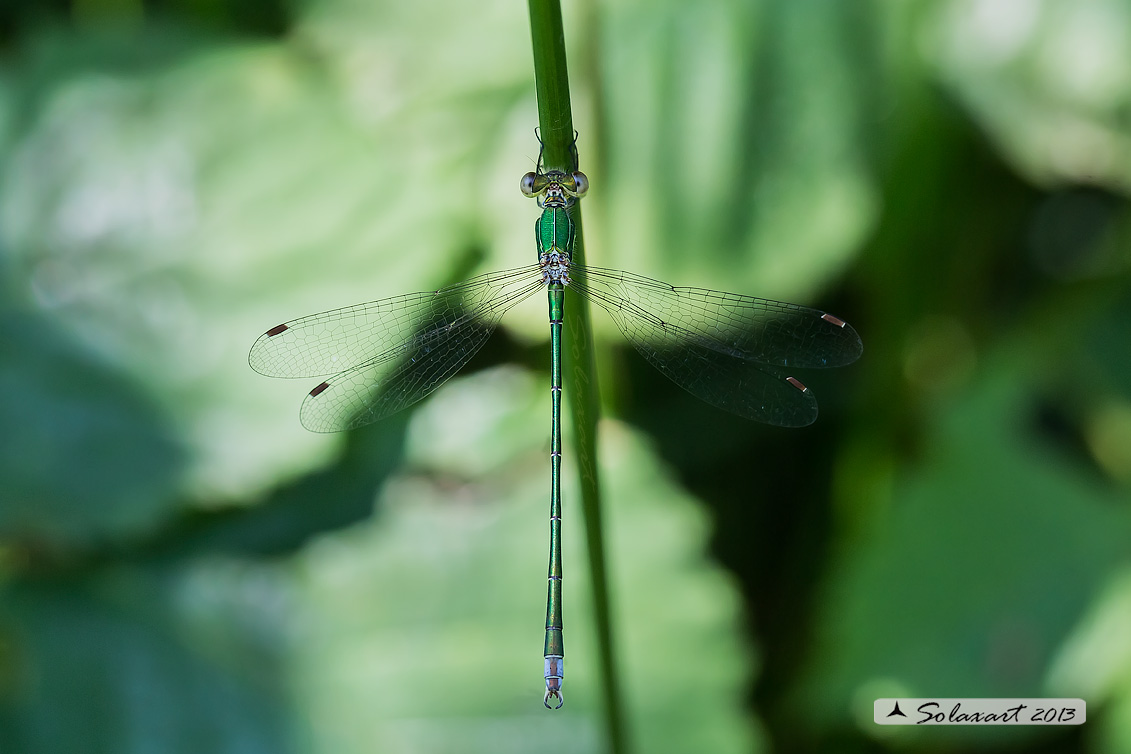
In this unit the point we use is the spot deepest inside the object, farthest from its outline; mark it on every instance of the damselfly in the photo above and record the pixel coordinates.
(734, 352)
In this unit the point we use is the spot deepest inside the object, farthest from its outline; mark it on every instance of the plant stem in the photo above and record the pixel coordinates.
(555, 120)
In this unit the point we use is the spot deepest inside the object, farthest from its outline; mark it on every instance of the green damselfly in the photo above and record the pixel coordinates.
(734, 352)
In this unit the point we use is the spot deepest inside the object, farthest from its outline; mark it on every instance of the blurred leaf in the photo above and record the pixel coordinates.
(167, 208)
(326, 500)
(1049, 82)
(126, 661)
(423, 631)
(167, 194)
(993, 547)
(736, 142)
(85, 455)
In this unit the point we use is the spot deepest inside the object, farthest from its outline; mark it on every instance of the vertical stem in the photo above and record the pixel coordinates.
(556, 123)
(555, 118)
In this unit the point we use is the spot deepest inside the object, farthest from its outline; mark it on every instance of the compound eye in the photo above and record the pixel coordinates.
(527, 185)
(580, 183)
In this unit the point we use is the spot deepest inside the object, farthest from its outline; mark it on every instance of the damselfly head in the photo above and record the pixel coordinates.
(555, 188)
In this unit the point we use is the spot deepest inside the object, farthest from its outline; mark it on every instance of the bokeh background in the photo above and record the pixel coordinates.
(183, 568)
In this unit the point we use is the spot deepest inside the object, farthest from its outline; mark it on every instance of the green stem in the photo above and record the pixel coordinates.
(555, 120)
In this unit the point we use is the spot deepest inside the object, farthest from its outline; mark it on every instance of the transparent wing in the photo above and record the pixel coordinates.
(388, 354)
(749, 328)
(335, 341)
(400, 378)
(732, 351)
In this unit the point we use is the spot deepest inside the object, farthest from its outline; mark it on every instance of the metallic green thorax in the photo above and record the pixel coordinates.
(554, 231)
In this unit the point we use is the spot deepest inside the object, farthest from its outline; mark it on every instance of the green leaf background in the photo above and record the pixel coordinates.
(183, 568)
